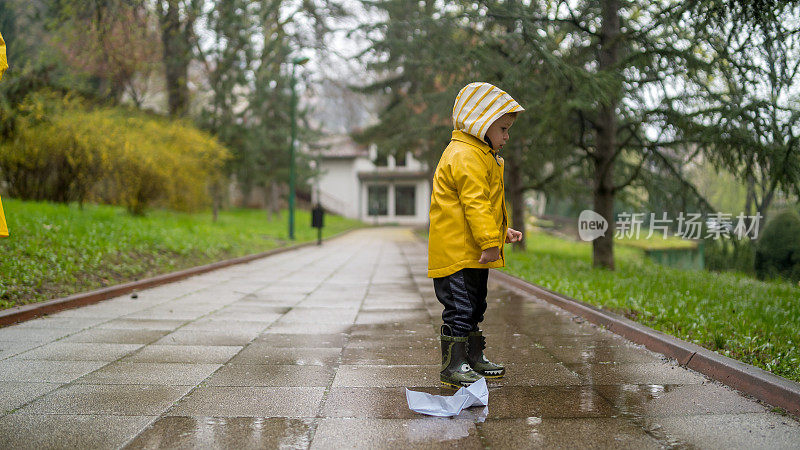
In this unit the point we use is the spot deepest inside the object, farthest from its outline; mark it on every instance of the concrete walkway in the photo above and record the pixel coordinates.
(314, 347)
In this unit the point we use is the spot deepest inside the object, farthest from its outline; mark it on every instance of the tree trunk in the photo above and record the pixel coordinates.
(177, 56)
(517, 195)
(275, 198)
(603, 247)
(751, 192)
(216, 200)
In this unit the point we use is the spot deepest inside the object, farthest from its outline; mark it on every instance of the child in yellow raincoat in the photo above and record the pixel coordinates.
(468, 227)
(3, 67)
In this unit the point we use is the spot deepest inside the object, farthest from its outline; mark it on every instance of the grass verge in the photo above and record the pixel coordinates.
(735, 315)
(56, 250)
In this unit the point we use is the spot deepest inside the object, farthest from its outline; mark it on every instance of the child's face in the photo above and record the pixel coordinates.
(498, 131)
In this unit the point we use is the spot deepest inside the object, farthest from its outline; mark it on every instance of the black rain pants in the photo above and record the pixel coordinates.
(463, 295)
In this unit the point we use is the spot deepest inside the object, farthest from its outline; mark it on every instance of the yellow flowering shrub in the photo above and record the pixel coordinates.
(63, 151)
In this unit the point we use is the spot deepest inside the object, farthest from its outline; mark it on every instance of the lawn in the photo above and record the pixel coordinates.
(56, 250)
(740, 317)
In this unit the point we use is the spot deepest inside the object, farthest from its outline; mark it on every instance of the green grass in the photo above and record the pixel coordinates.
(56, 250)
(655, 242)
(740, 317)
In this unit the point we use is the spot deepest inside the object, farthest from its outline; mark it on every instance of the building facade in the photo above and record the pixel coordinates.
(354, 182)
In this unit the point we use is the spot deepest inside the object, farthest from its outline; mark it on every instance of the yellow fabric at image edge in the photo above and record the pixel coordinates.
(3, 226)
(3, 60)
(3, 66)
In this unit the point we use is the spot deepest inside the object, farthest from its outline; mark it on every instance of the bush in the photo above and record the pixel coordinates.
(63, 151)
(778, 249)
(46, 158)
(732, 254)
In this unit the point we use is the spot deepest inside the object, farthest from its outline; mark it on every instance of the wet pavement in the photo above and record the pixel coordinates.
(314, 348)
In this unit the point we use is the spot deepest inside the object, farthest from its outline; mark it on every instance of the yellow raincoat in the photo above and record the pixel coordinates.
(468, 212)
(3, 67)
(3, 60)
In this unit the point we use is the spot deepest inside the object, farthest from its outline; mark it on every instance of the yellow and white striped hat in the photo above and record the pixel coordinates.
(478, 105)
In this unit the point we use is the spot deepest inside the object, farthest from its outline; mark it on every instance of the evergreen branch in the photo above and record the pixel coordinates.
(538, 19)
(678, 176)
(554, 175)
(633, 176)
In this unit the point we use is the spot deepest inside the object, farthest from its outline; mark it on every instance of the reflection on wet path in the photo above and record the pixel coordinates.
(314, 348)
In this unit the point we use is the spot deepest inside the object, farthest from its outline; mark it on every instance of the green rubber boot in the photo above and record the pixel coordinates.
(456, 371)
(478, 362)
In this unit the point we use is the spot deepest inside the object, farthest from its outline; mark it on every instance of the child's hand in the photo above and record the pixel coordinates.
(513, 235)
(490, 255)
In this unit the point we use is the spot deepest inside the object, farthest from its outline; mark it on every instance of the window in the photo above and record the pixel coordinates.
(381, 159)
(400, 159)
(377, 200)
(405, 200)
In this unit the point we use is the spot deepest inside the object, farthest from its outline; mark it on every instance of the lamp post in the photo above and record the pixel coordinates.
(299, 61)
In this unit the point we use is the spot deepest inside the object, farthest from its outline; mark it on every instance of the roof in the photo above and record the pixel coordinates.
(339, 146)
(393, 174)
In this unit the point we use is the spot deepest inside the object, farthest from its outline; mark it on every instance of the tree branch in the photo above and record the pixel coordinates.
(704, 203)
(539, 185)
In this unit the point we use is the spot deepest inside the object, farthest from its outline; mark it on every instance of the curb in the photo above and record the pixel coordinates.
(27, 312)
(751, 380)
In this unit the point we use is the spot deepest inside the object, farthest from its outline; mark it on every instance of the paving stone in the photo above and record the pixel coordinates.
(108, 309)
(231, 337)
(396, 433)
(335, 340)
(346, 301)
(307, 328)
(603, 355)
(173, 313)
(265, 353)
(263, 318)
(79, 351)
(30, 334)
(15, 394)
(228, 401)
(374, 402)
(546, 401)
(22, 431)
(538, 374)
(297, 315)
(519, 355)
(46, 371)
(386, 376)
(107, 399)
(748, 430)
(392, 316)
(271, 375)
(69, 323)
(224, 326)
(197, 354)
(581, 341)
(627, 373)
(391, 356)
(422, 328)
(397, 341)
(12, 348)
(565, 433)
(168, 374)
(225, 432)
(121, 336)
(142, 324)
(669, 400)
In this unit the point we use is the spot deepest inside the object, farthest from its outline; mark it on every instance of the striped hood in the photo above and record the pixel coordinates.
(478, 105)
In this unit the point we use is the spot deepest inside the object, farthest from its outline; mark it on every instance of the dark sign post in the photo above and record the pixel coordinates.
(317, 219)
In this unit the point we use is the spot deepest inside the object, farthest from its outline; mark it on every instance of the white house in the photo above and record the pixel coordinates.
(354, 183)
